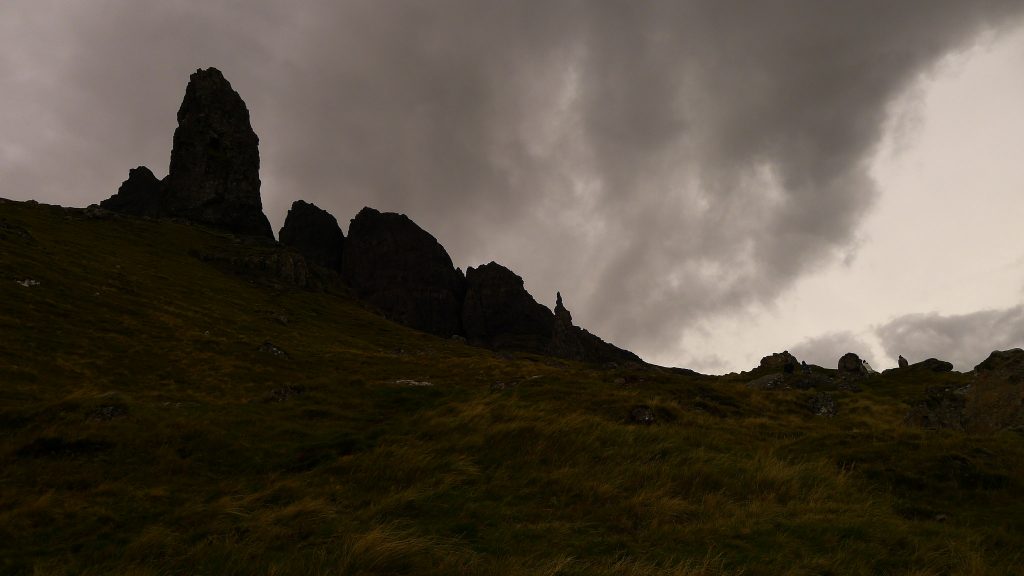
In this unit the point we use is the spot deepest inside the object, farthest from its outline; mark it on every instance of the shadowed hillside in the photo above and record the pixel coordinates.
(176, 401)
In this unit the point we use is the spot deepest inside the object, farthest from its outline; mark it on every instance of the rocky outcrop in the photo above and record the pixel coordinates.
(139, 195)
(575, 343)
(498, 311)
(402, 270)
(851, 365)
(215, 162)
(314, 233)
(780, 362)
(931, 365)
(941, 408)
(1008, 364)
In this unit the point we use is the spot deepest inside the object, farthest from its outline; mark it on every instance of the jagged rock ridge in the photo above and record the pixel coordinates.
(387, 260)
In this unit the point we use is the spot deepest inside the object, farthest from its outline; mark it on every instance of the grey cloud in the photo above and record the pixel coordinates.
(659, 163)
(965, 339)
(825, 350)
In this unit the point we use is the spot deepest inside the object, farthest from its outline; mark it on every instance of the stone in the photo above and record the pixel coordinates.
(314, 233)
(823, 404)
(499, 313)
(851, 365)
(768, 382)
(931, 365)
(780, 362)
(285, 393)
(139, 195)
(108, 412)
(403, 271)
(941, 408)
(642, 415)
(268, 347)
(903, 362)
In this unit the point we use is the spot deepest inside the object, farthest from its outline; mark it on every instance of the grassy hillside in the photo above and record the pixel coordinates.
(145, 429)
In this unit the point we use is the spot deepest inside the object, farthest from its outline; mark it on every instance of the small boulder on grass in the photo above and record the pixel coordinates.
(268, 347)
(823, 404)
(642, 415)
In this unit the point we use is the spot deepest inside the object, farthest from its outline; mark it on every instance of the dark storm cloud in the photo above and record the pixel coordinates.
(659, 162)
(965, 340)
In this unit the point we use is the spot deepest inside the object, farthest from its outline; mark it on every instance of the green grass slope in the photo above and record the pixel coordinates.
(144, 431)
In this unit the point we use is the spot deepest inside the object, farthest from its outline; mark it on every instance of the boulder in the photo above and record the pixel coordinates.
(931, 365)
(402, 270)
(780, 362)
(214, 175)
(314, 233)
(139, 195)
(642, 415)
(498, 311)
(823, 404)
(851, 365)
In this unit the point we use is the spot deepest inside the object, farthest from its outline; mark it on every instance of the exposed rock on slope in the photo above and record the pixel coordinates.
(139, 195)
(314, 233)
(1006, 363)
(500, 313)
(402, 270)
(575, 343)
(215, 162)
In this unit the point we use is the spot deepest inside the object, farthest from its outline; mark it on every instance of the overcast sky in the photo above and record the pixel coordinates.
(706, 182)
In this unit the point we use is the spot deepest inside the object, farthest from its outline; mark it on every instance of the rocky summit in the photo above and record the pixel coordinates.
(500, 313)
(403, 271)
(314, 233)
(215, 163)
(139, 195)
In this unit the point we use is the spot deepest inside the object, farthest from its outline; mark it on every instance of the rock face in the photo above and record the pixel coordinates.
(851, 365)
(314, 233)
(215, 163)
(498, 311)
(401, 269)
(139, 195)
(214, 176)
(903, 362)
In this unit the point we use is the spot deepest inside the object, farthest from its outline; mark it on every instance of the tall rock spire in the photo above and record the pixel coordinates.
(214, 175)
